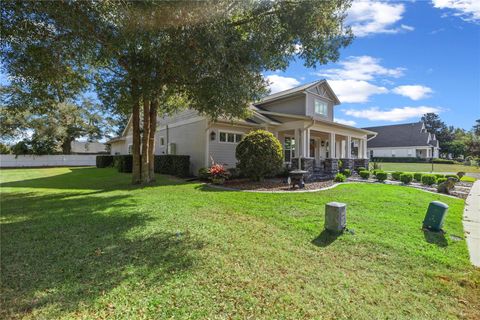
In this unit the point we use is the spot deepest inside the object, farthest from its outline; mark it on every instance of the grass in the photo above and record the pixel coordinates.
(83, 243)
(427, 167)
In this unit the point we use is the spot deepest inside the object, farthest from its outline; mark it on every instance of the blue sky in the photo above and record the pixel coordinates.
(408, 58)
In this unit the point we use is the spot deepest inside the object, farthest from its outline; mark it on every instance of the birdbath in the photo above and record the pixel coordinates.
(296, 177)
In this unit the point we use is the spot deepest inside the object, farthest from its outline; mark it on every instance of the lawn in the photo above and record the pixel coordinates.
(427, 167)
(84, 243)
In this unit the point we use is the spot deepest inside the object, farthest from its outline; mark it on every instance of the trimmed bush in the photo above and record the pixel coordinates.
(439, 175)
(347, 172)
(446, 161)
(123, 162)
(364, 174)
(259, 155)
(234, 173)
(440, 180)
(400, 159)
(104, 161)
(381, 176)
(340, 178)
(175, 165)
(360, 169)
(406, 178)
(418, 176)
(396, 175)
(429, 179)
(452, 176)
(203, 174)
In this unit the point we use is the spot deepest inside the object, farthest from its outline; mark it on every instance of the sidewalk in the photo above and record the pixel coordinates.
(471, 223)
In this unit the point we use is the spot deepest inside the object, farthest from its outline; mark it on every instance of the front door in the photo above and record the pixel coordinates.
(313, 144)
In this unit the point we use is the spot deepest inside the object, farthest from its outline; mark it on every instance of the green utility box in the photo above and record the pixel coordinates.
(435, 216)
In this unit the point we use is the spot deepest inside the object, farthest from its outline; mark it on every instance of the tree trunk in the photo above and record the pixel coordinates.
(67, 146)
(145, 142)
(136, 169)
(151, 139)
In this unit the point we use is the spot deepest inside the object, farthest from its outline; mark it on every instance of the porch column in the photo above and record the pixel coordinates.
(307, 143)
(331, 145)
(349, 147)
(298, 145)
(364, 149)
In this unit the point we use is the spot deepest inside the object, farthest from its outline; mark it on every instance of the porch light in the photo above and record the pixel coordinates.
(213, 135)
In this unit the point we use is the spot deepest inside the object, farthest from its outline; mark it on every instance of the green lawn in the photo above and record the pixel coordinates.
(83, 243)
(427, 167)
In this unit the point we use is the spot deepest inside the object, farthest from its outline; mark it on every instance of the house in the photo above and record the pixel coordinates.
(85, 147)
(301, 118)
(403, 140)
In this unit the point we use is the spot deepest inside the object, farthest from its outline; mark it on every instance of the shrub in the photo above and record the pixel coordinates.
(381, 176)
(396, 175)
(400, 159)
(340, 164)
(452, 176)
(418, 176)
(259, 154)
(123, 163)
(203, 174)
(376, 166)
(175, 165)
(429, 179)
(440, 180)
(340, 178)
(234, 173)
(446, 161)
(406, 178)
(364, 174)
(360, 169)
(460, 174)
(439, 175)
(347, 172)
(104, 161)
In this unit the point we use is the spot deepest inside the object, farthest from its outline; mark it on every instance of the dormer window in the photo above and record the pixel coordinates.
(321, 108)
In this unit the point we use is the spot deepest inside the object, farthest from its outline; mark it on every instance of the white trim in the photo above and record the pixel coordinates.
(181, 123)
(220, 131)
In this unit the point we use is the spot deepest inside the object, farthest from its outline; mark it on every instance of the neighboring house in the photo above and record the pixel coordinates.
(85, 147)
(301, 118)
(403, 140)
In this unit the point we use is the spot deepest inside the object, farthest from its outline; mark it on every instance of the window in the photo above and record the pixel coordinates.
(321, 108)
(230, 137)
(289, 149)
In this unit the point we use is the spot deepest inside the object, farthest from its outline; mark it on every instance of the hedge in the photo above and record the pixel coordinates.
(123, 163)
(429, 179)
(396, 175)
(439, 175)
(452, 176)
(446, 161)
(440, 180)
(406, 178)
(412, 160)
(340, 178)
(364, 174)
(418, 176)
(175, 165)
(104, 161)
(347, 172)
(381, 175)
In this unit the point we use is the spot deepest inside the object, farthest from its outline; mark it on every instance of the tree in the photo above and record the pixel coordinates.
(436, 126)
(259, 155)
(476, 128)
(159, 56)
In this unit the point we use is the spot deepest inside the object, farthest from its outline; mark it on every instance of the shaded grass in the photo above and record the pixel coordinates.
(84, 243)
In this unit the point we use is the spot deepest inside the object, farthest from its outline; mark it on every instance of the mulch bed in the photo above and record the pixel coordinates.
(273, 185)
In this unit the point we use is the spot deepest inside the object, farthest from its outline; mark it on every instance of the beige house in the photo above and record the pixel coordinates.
(301, 118)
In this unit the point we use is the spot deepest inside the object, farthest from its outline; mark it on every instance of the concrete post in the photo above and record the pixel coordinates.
(335, 216)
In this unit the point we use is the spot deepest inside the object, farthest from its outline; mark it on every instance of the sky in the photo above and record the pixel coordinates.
(408, 58)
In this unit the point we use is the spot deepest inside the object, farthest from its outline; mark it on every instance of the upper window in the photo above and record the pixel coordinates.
(230, 137)
(321, 108)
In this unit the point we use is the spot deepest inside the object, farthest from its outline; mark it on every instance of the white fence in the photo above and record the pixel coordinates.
(12, 161)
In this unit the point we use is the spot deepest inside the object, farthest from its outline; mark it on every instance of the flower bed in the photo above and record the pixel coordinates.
(273, 185)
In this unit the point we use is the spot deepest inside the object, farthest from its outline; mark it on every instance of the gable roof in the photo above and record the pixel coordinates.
(400, 135)
(299, 89)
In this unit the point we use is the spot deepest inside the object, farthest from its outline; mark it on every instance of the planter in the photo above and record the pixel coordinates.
(219, 180)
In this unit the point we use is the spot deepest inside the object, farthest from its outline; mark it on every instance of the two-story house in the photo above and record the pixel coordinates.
(301, 118)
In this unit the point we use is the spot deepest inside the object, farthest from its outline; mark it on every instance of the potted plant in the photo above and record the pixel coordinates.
(218, 174)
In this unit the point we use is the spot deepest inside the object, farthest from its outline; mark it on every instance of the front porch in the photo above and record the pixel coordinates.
(317, 148)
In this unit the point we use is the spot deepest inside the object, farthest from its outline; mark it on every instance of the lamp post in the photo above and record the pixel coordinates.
(432, 157)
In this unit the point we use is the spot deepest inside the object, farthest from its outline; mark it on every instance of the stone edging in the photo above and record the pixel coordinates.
(471, 223)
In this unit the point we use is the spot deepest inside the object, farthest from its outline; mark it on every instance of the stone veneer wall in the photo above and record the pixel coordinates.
(307, 165)
(360, 163)
(347, 164)
(331, 166)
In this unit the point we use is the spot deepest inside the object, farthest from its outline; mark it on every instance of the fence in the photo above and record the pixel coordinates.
(12, 161)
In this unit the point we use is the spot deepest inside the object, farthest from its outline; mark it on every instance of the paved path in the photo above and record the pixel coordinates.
(471, 223)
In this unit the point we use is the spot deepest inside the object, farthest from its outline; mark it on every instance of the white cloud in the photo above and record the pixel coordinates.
(355, 91)
(368, 17)
(414, 92)
(468, 10)
(392, 115)
(279, 83)
(344, 121)
(407, 27)
(361, 68)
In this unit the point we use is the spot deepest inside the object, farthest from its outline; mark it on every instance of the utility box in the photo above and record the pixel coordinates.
(335, 216)
(435, 216)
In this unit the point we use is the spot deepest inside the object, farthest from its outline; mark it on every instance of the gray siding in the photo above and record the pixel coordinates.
(294, 105)
(311, 107)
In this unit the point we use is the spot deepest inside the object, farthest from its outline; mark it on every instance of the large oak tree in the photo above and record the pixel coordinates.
(158, 56)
